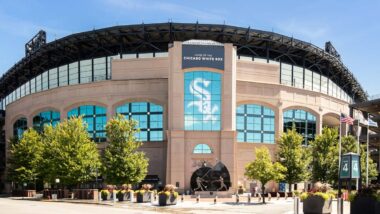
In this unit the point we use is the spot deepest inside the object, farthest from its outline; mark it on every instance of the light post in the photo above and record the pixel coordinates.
(57, 182)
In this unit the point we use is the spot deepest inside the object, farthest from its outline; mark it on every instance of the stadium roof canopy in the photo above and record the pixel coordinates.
(157, 37)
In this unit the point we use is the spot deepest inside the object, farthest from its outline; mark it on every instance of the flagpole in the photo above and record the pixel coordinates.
(340, 140)
(366, 182)
(358, 151)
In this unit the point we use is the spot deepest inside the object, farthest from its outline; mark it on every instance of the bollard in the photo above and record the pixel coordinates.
(269, 196)
(132, 196)
(182, 198)
(296, 205)
(340, 205)
(237, 198)
(198, 198)
(249, 198)
(114, 195)
(259, 197)
(151, 198)
(215, 199)
(286, 196)
(278, 196)
(100, 196)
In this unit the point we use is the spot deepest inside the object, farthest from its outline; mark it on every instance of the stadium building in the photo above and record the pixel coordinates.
(204, 95)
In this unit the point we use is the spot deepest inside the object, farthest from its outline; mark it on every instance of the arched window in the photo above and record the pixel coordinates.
(95, 119)
(254, 124)
(149, 117)
(19, 127)
(304, 122)
(202, 149)
(202, 106)
(45, 118)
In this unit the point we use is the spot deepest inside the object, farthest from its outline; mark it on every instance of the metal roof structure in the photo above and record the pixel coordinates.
(157, 37)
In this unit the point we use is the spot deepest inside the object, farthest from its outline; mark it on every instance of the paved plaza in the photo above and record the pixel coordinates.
(17, 206)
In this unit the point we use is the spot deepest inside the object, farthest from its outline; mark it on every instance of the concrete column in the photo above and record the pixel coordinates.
(175, 170)
(229, 89)
(279, 121)
(319, 124)
(111, 112)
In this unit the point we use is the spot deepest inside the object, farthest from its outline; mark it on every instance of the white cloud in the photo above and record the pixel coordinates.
(166, 8)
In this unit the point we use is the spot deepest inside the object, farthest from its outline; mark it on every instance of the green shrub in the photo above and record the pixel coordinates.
(104, 193)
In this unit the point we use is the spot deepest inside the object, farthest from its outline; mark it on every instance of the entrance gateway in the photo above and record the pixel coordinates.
(211, 178)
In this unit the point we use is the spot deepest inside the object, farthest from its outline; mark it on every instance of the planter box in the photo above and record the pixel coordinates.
(366, 205)
(164, 200)
(128, 196)
(24, 193)
(144, 198)
(60, 193)
(91, 194)
(317, 205)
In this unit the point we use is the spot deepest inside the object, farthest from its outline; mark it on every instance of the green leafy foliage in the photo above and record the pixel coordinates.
(263, 169)
(122, 163)
(294, 157)
(70, 154)
(324, 153)
(325, 156)
(349, 144)
(26, 157)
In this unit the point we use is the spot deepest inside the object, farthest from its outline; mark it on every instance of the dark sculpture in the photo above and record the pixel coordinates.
(216, 178)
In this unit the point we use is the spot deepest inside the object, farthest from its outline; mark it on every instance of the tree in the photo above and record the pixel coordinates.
(324, 150)
(263, 169)
(122, 163)
(70, 154)
(349, 144)
(294, 157)
(25, 158)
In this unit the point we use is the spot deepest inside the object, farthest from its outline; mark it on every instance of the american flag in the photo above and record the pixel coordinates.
(346, 119)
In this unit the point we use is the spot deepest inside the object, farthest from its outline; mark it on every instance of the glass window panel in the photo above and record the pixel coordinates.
(303, 121)
(161, 54)
(62, 75)
(38, 83)
(27, 88)
(324, 83)
(149, 117)
(298, 76)
(286, 74)
(308, 79)
(94, 118)
(202, 100)
(202, 149)
(99, 69)
(145, 55)
(19, 127)
(45, 118)
(129, 56)
(45, 81)
(53, 81)
(316, 82)
(73, 73)
(33, 85)
(252, 122)
(86, 71)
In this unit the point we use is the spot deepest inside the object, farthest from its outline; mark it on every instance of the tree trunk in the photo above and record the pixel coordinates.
(262, 192)
(290, 187)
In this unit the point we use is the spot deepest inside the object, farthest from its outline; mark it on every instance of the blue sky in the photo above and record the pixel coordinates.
(352, 26)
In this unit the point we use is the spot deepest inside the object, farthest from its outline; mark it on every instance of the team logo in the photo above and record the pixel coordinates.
(198, 89)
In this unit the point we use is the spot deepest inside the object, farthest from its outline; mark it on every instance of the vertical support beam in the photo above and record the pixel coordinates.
(228, 132)
(175, 170)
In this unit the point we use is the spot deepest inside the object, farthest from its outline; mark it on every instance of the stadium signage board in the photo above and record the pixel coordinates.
(210, 56)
